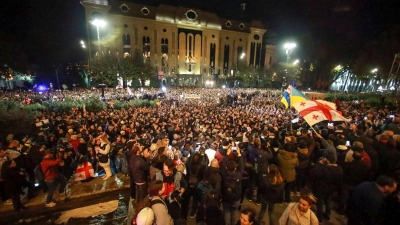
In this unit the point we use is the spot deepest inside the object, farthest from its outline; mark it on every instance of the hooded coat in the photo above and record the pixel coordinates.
(288, 162)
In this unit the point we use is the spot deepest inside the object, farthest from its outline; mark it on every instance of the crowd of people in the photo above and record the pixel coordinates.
(201, 152)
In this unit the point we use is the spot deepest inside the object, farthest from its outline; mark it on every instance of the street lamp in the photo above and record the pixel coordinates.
(99, 23)
(374, 70)
(296, 62)
(288, 47)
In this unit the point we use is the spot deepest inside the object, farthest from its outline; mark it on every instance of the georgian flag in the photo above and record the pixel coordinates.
(315, 111)
(84, 172)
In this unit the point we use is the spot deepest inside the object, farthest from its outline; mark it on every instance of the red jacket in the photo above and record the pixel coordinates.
(50, 168)
(75, 144)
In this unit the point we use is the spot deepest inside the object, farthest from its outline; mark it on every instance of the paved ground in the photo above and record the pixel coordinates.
(95, 195)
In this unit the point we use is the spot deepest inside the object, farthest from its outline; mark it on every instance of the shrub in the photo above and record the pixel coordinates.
(94, 104)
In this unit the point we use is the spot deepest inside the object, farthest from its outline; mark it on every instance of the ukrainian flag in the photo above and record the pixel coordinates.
(286, 99)
(296, 95)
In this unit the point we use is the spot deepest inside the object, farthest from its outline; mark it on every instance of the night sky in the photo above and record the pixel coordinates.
(45, 32)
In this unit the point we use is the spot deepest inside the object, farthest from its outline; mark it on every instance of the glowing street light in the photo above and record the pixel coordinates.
(374, 70)
(98, 23)
(242, 55)
(289, 47)
(296, 62)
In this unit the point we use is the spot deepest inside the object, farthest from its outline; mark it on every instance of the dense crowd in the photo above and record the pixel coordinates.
(202, 150)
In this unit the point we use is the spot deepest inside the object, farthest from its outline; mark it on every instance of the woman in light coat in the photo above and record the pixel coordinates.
(103, 154)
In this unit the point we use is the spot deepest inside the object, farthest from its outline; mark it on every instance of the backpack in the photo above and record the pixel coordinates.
(146, 215)
(193, 179)
(231, 192)
(202, 189)
(37, 171)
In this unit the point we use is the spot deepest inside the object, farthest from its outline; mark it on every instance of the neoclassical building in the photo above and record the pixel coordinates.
(186, 45)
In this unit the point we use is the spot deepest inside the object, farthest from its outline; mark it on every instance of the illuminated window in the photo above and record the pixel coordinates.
(228, 24)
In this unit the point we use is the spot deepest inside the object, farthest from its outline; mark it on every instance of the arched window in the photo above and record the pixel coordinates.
(128, 39)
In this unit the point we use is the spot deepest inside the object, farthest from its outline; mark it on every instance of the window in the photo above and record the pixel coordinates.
(145, 11)
(228, 24)
(145, 28)
(191, 15)
(124, 8)
(164, 30)
(241, 26)
(256, 37)
(126, 25)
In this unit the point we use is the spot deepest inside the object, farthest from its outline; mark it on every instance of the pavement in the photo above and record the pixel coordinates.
(76, 191)
(97, 194)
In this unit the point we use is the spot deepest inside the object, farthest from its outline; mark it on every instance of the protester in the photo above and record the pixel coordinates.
(53, 177)
(300, 213)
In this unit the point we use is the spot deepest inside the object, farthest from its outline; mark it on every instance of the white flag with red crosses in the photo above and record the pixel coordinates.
(315, 111)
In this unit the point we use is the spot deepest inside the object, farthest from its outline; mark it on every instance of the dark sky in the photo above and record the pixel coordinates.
(50, 30)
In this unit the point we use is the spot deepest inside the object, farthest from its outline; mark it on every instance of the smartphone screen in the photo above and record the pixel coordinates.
(233, 148)
(347, 143)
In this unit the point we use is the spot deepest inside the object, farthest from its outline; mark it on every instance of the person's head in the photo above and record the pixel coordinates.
(168, 167)
(257, 142)
(387, 184)
(162, 151)
(274, 174)
(104, 139)
(305, 202)
(247, 216)
(156, 188)
(302, 144)
(357, 146)
(196, 158)
(48, 154)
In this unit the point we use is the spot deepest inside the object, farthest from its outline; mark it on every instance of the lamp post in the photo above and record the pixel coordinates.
(288, 47)
(99, 23)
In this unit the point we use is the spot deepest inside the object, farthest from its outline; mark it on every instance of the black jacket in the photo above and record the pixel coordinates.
(139, 169)
(271, 193)
(215, 179)
(356, 172)
(233, 175)
(366, 204)
(326, 178)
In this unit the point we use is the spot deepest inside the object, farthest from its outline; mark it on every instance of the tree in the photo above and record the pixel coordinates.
(141, 70)
(103, 69)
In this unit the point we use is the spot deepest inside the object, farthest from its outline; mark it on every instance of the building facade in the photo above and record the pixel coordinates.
(187, 46)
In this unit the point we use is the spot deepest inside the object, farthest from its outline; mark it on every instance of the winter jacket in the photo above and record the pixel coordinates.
(215, 179)
(303, 154)
(271, 193)
(236, 175)
(327, 178)
(50, 168)
(139, 169)
(356, 172)
(288, 162)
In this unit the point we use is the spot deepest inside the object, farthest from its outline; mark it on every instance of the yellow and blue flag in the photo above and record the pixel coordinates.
(286, 99)
(292, 96)
(296, 95)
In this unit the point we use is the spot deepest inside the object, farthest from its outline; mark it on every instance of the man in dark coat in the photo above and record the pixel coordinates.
(366, 204)
(139, 168)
